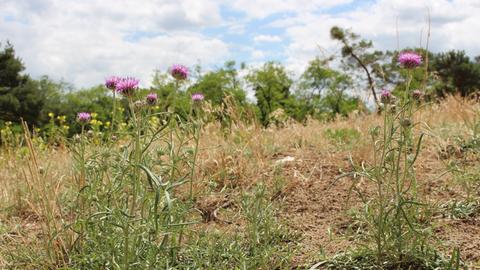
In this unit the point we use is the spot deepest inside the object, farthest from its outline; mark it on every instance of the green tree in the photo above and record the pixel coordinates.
(271, 84)
(358, 54)
(323, 90)
(337, 101)
(216, 85)
(55, 98)
(457, 73)
(20, 97)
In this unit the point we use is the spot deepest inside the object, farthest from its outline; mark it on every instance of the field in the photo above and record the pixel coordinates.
(285, 197)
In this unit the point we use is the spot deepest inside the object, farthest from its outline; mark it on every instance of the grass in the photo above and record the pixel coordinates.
(262, 215)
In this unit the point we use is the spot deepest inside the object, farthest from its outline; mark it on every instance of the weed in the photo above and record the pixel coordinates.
(343, 137)
(264, 244)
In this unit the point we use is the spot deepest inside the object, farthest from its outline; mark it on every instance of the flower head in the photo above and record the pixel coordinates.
(410, 59)
(198, 97)
(386, 96)
(179, 72)
(417, 94)
(126, 86)
(111, 82)
(152, 98)
(84, 117)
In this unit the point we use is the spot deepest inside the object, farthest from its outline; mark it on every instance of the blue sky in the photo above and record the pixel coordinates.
(85, 41)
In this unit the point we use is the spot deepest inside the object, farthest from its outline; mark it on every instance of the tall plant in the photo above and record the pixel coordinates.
(395, 215)
(129, 214)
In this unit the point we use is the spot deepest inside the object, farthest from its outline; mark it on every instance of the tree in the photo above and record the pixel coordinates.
(358, 54)
(323, 90)
(457, 73)
(271, 84)
(337, 101)
(317, 77)
(20, 97)
(215, 85)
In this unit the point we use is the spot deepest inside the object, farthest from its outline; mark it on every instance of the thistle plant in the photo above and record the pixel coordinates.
(197, 98)
(129, 214)
(394, 214)
(111, 83)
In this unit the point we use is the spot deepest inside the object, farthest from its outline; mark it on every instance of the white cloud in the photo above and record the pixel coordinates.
(264, 8)
(257, 55)
(267, 38)
(452, 26)
(85, 41)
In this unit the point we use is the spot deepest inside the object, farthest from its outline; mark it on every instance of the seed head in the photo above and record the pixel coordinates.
(152, 99)
(405, 122)
(417, 94)
(386, 96)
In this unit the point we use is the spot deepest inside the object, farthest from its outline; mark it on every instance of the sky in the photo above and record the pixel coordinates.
(84, 41)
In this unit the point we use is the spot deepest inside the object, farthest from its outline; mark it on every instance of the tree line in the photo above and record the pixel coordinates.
(329, 86)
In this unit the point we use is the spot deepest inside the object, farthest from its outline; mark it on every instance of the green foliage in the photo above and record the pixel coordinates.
(127, 214)
(218, 84)
(343, 136)
(11, 67)
(396, 221)
(271, 84)
(364, 259)
(460, 209)
(20, 97)
(322, 92)
(458, 74)
(172, 96)
(265, 244)
(358, 55)
(317, 78)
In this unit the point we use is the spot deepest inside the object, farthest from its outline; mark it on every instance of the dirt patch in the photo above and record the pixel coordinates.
(315, 204)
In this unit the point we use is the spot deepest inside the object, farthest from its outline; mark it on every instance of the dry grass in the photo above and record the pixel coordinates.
(299, 162)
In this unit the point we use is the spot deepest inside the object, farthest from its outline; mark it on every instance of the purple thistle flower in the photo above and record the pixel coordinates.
(179, 72)
(111, 82)
(126, 86)
(386, 96)
(152, 98)
(198, 97)
(410, 59)
(84, 117)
